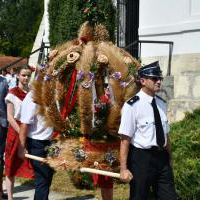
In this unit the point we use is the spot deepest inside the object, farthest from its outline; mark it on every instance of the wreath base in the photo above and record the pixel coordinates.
(99, 155)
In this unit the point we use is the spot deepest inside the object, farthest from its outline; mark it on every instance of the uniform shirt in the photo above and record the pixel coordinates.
(137, 121)
(37, 129)
(3, 108)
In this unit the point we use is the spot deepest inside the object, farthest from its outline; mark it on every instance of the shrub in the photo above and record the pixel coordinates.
(185, 138)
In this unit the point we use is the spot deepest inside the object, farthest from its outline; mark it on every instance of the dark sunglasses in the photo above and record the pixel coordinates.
(155, 79)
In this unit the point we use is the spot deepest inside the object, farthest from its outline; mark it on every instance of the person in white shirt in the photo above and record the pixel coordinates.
(10, 77)
(13, 77)
(145, 154)
(14, 166)
(35, 137)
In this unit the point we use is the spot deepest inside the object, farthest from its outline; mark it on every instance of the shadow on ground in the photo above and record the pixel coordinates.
(26, 192)
(85, 197)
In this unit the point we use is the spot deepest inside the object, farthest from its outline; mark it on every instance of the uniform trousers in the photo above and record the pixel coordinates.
(150, 169)
(43, 173)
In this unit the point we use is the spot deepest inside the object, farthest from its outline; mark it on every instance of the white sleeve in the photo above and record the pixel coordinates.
(28, 110)
(16, 102)
(10, 98)
(127, 125)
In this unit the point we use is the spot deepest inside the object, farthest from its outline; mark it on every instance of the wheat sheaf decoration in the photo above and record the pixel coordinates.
(75, 79)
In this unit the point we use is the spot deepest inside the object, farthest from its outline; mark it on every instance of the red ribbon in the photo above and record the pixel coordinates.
(69, 100)
(67, 107)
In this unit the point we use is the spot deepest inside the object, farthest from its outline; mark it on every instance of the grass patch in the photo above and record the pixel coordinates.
(24, 181)
(62, 183)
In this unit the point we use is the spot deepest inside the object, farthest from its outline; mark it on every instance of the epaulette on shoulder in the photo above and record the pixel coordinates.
(132, 100)
(160, 98)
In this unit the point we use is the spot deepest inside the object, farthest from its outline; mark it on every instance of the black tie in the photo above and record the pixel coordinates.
(159, 129)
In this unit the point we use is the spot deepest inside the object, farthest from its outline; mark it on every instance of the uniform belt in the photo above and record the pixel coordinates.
(41, 141)
(157, 148)
(153, 148)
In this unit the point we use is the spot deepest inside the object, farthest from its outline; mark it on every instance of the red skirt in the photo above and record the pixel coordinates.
(100, 180)
(15, 166)
(103, 181)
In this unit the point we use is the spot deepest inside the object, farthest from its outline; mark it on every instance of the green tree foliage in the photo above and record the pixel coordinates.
(64, 20)
(4, 46)
(185, 146)
(66, 16)
(19, 22)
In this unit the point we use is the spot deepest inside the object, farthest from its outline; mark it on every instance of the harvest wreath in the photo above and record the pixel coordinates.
(74, 79)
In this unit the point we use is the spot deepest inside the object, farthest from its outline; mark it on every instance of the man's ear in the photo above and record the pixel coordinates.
(142, 81)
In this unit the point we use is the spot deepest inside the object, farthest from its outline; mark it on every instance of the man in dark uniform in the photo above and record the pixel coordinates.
(145, 151)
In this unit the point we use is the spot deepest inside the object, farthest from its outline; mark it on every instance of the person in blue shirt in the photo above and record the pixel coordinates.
(3, 125)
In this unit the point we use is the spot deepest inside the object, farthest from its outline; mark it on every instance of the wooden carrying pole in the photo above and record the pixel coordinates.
(34, 157)
(82, 169)
(100, 172)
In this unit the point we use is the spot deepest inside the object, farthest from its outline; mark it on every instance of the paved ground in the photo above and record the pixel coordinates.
(23, 192)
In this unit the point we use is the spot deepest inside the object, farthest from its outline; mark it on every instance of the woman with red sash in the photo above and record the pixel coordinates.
(14, 166)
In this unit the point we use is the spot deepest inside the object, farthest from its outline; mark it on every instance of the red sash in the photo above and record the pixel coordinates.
(18, 92)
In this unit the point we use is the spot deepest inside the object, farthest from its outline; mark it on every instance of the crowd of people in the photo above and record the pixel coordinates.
(10, 76)
(145, 153)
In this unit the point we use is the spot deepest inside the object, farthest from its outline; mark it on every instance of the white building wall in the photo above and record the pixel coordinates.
(170, 20)
(46, 22)
(177, 21)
